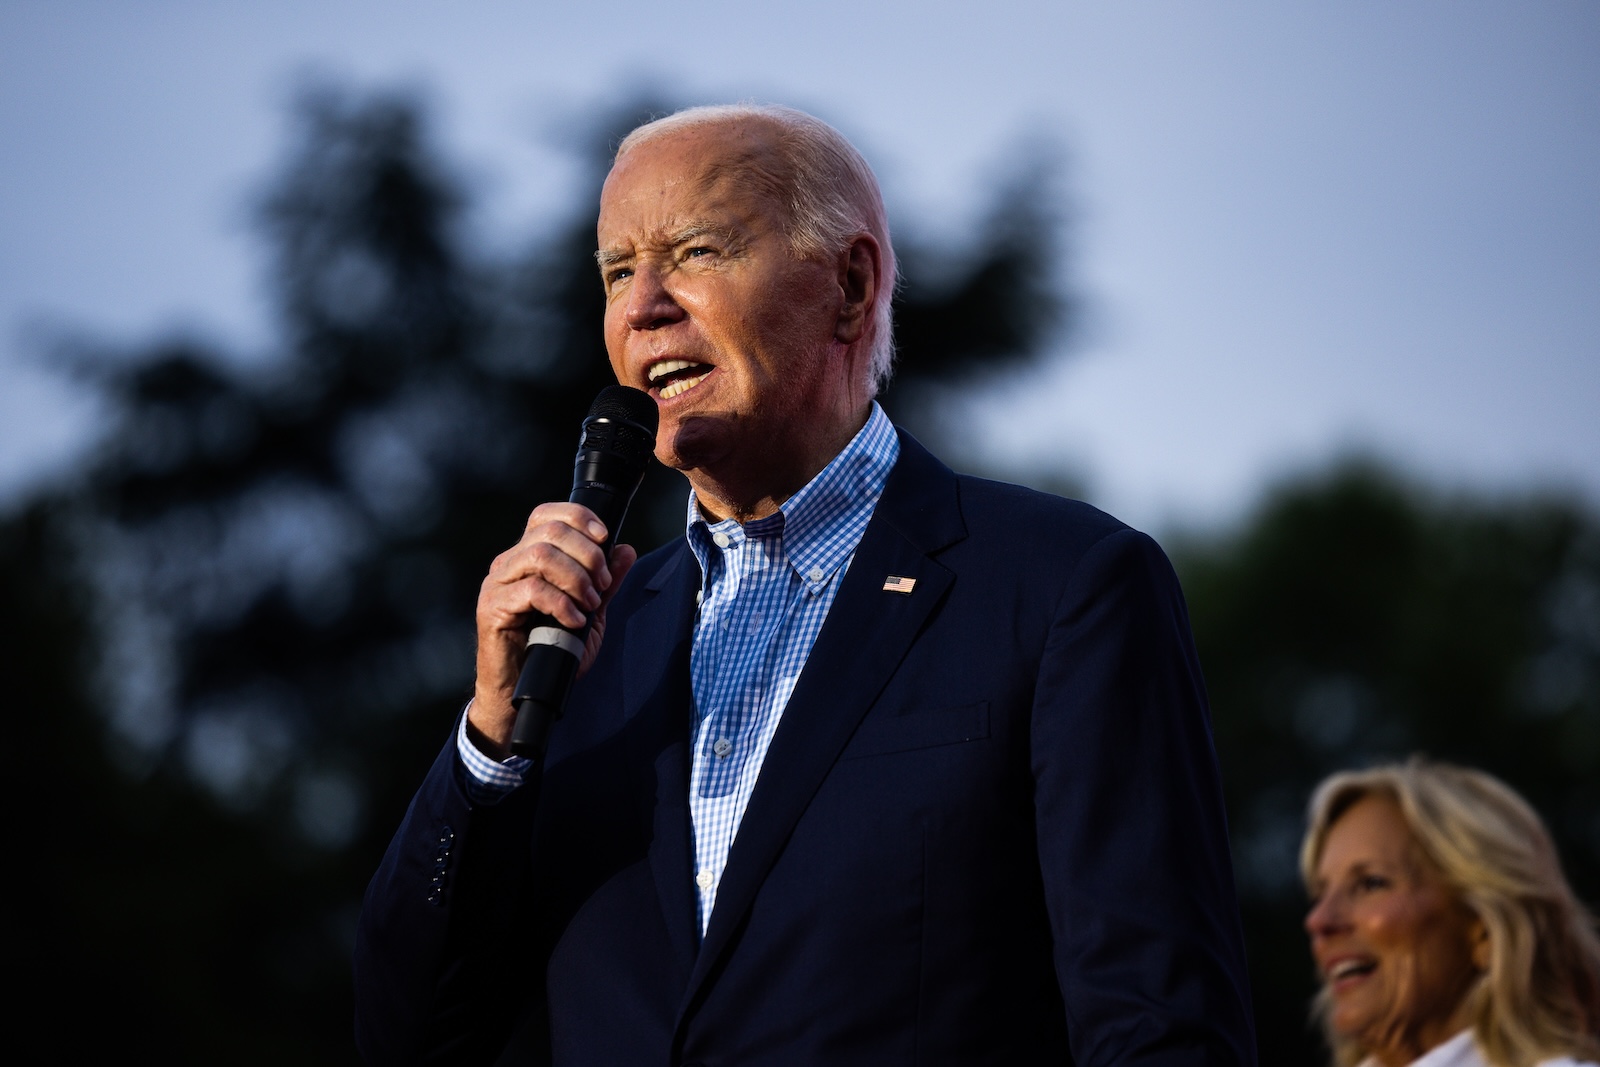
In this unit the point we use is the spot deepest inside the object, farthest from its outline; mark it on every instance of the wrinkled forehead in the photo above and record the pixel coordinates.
(711, 162)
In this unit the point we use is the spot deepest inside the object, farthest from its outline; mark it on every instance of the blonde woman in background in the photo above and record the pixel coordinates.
(1444, 932)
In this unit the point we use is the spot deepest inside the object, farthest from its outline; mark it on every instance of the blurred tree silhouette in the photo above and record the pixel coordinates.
(240, 636)
(1355, 619)
(247, 628)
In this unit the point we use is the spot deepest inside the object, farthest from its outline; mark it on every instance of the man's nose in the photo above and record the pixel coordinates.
(650, 303)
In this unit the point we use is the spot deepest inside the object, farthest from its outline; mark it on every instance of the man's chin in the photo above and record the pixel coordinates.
(695, 442)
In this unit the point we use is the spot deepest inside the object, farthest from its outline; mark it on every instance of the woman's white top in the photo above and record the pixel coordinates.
(1461, 1051)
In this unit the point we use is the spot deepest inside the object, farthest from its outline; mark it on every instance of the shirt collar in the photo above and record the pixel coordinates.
(821, 524)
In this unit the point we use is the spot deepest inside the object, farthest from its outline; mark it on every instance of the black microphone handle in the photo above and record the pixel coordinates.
(554, 650)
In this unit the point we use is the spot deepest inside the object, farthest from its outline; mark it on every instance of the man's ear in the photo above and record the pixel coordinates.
(859, 266)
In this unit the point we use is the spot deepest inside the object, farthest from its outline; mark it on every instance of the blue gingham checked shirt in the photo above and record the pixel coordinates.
(765, 590)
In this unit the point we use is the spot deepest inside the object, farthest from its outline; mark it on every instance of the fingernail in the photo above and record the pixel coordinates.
(597, 531)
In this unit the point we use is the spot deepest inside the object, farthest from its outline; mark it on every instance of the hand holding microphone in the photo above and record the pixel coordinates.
(538, 607)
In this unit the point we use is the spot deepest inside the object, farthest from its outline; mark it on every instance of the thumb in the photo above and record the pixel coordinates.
(623, 557)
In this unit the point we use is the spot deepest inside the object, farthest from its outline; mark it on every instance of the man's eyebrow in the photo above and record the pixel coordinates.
(607, 257)
(695, 231)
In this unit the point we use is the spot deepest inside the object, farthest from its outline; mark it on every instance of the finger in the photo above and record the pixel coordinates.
(521, 599)
(529, 579)
(569, 514)
(560, 556)
(623, 557)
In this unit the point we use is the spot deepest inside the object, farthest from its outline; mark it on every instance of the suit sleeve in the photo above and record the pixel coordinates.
(439, 967)
(1133, 841)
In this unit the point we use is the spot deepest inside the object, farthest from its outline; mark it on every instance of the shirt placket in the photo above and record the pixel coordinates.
(720, 721)
(758, 625)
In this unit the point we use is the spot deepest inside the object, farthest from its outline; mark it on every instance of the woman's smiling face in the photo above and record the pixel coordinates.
(1393, 944)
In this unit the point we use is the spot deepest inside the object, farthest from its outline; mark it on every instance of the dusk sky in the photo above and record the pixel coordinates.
(1298, 230)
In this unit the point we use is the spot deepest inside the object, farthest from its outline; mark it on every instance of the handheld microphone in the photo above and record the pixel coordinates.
(619, 437)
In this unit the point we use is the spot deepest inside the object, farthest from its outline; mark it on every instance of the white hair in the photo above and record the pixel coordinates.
(830, 192)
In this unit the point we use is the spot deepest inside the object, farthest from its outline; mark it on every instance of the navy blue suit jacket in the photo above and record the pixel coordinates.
(989, 830)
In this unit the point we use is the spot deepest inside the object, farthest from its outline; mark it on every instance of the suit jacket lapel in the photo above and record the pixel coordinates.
(866, 635)
(657, 677)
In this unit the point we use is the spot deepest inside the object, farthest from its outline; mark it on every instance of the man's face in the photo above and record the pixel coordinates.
(709, 310)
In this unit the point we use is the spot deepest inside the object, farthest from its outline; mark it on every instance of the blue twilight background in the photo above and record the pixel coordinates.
(1296, 230)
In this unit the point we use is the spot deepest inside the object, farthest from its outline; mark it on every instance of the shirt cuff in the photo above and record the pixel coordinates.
(487, 781)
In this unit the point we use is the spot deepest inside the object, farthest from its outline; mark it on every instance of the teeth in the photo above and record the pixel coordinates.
(668, 366)
(682, 385)
(672, 366)
(1348, 967)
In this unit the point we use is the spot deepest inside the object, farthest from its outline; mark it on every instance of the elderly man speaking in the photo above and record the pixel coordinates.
(879, 765)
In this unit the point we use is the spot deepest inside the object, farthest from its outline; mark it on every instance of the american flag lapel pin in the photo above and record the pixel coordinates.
(898, 584)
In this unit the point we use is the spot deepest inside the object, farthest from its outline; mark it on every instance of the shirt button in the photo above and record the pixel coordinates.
(703, 879)
(720, 538)
(722, 747)
(816, 574)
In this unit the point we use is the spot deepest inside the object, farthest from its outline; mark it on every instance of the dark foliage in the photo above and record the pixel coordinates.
(249, 623)
(964, 316)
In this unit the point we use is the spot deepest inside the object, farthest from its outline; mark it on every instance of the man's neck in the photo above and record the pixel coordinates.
(755, 497)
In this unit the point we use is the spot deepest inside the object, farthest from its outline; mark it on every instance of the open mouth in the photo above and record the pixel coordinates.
(1348, 969)
(673, 376)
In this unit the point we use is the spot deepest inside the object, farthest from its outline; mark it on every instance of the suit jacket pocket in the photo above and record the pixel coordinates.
(919, 729)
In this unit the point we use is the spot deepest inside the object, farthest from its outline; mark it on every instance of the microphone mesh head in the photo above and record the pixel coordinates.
(623, 420)
(627, 403)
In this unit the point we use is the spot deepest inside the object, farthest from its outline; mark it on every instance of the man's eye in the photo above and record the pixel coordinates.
(698, 250)
(622, 274)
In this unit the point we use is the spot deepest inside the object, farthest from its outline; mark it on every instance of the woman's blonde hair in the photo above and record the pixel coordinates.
(1539, 996)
